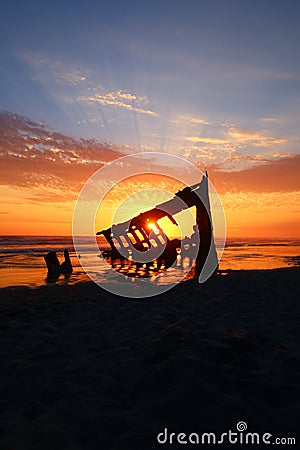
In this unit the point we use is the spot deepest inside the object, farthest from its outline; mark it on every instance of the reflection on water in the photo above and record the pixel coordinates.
(22, 259)
(262, 254)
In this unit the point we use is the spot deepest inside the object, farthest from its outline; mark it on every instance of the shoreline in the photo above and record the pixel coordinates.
(38, 277)
(22, 258)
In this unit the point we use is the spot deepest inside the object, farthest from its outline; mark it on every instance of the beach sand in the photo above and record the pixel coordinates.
(84, 369)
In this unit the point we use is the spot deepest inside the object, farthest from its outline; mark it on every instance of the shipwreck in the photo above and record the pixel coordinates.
(140, 245)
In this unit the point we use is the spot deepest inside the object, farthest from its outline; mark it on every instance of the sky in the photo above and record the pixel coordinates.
(217, 83)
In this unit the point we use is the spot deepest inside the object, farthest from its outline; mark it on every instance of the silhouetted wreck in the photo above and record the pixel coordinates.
(55, 269)
(129, 240)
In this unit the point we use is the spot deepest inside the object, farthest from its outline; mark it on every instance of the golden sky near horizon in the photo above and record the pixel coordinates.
(256, 212)
(42, 173)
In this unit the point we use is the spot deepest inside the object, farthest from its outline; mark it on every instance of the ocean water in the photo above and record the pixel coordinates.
(22, 257)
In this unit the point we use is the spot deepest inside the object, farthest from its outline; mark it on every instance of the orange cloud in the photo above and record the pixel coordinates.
(206, 140)
(237, 138)
(257, 139)
(274, 214)
(50, 164)
(43, 171)
(281, 175)
(262, 200)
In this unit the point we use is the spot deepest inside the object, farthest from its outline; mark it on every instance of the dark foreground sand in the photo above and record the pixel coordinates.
(83, 369)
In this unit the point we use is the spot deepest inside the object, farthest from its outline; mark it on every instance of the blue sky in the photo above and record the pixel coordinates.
(217, 80)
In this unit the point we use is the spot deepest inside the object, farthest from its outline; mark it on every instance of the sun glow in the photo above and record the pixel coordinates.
(153, 227)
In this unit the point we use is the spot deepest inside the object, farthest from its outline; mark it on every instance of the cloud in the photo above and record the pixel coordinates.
(230, 145)
(206, 140)
(237, 137)
(255, 138)
(202, 139)
(54, 167)
(50, 164)
(280, 175)
(71, 77)
(191, 120)
(283, 155)
(269, 119)
(249, 158)
(121, 99)
(47, 68)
